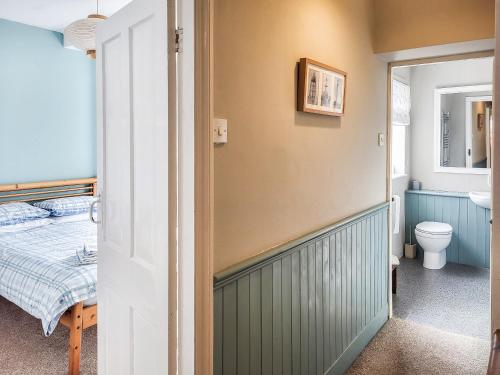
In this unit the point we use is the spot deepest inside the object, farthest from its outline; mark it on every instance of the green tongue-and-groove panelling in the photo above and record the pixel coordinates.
(470, 242)
(311, 308)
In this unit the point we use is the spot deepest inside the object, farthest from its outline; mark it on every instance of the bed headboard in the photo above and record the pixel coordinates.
(35, 191)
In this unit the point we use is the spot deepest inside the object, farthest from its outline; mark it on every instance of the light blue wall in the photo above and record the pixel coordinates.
(47, 107)
(470, 243)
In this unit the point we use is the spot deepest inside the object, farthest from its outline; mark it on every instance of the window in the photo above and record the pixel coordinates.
(400, 121)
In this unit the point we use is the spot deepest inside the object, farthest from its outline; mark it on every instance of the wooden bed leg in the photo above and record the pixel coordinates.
(75, 338)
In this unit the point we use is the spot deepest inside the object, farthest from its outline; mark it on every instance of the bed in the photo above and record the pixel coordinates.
(39, 268)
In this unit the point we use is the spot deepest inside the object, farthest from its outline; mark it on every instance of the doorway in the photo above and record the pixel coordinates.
(439, 158)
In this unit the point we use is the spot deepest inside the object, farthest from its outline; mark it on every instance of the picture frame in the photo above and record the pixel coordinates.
(321, 88)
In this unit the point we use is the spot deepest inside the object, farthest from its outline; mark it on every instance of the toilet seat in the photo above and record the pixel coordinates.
(432, 229)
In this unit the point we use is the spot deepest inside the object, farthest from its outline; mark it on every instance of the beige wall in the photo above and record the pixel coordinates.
(406, 24)
(284, 173)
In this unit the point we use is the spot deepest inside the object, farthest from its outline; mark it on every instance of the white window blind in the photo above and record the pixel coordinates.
(401, 103)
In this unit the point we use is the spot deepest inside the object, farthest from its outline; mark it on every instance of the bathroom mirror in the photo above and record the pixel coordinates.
(462, 127)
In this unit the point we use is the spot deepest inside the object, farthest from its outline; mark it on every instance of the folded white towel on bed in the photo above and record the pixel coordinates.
(87, 254)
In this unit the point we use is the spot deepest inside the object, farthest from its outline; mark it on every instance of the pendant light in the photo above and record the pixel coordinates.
(81, 34)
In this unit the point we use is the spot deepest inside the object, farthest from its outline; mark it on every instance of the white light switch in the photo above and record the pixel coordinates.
(220, 130)
(381, 139)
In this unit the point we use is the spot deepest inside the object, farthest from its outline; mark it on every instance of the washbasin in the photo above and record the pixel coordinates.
(481, 198)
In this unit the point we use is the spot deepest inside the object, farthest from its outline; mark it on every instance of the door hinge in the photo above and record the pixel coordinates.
(178, 39)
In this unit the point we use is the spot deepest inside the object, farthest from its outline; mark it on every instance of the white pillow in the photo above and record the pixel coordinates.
(70, 218)
(19, 227)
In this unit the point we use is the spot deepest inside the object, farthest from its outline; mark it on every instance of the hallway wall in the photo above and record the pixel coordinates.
(285, 173)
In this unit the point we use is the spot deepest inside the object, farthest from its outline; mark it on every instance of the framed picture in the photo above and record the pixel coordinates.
(321, 88)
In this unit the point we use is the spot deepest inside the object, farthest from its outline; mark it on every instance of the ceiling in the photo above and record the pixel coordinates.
(55, 14)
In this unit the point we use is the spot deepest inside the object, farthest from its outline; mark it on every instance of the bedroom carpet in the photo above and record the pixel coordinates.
(404, 347)
(24, 350)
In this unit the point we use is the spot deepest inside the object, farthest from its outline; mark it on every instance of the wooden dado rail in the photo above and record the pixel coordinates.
(232, 272)
(307, 307)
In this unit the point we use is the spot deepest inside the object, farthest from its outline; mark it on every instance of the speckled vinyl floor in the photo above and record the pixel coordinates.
(440, 324)
(454, 298)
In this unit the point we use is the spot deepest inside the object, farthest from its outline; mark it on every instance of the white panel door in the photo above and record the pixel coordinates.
(132, 107)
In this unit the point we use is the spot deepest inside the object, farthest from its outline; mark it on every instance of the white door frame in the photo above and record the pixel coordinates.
(437, 129)
(186, 189)
(468, 125)
(489, 125)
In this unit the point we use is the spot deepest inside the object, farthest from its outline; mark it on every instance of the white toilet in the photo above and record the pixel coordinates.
(434, 238)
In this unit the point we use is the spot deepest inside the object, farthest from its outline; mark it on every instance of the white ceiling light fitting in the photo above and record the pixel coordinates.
(81, 34)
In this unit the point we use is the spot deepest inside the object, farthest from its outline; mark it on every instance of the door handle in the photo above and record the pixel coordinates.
(91, 211)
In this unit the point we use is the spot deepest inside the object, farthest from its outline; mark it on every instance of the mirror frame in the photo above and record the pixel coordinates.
(437, 127)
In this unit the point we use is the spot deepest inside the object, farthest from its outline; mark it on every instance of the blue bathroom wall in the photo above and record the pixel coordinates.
(470, 243)
(47, 107)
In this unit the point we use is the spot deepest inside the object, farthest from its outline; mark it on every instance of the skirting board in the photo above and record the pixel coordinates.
(347, 358)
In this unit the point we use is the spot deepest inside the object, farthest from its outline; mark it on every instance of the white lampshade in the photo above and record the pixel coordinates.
(81, 34)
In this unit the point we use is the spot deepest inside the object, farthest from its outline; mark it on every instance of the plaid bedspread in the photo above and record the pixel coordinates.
(40, 272)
